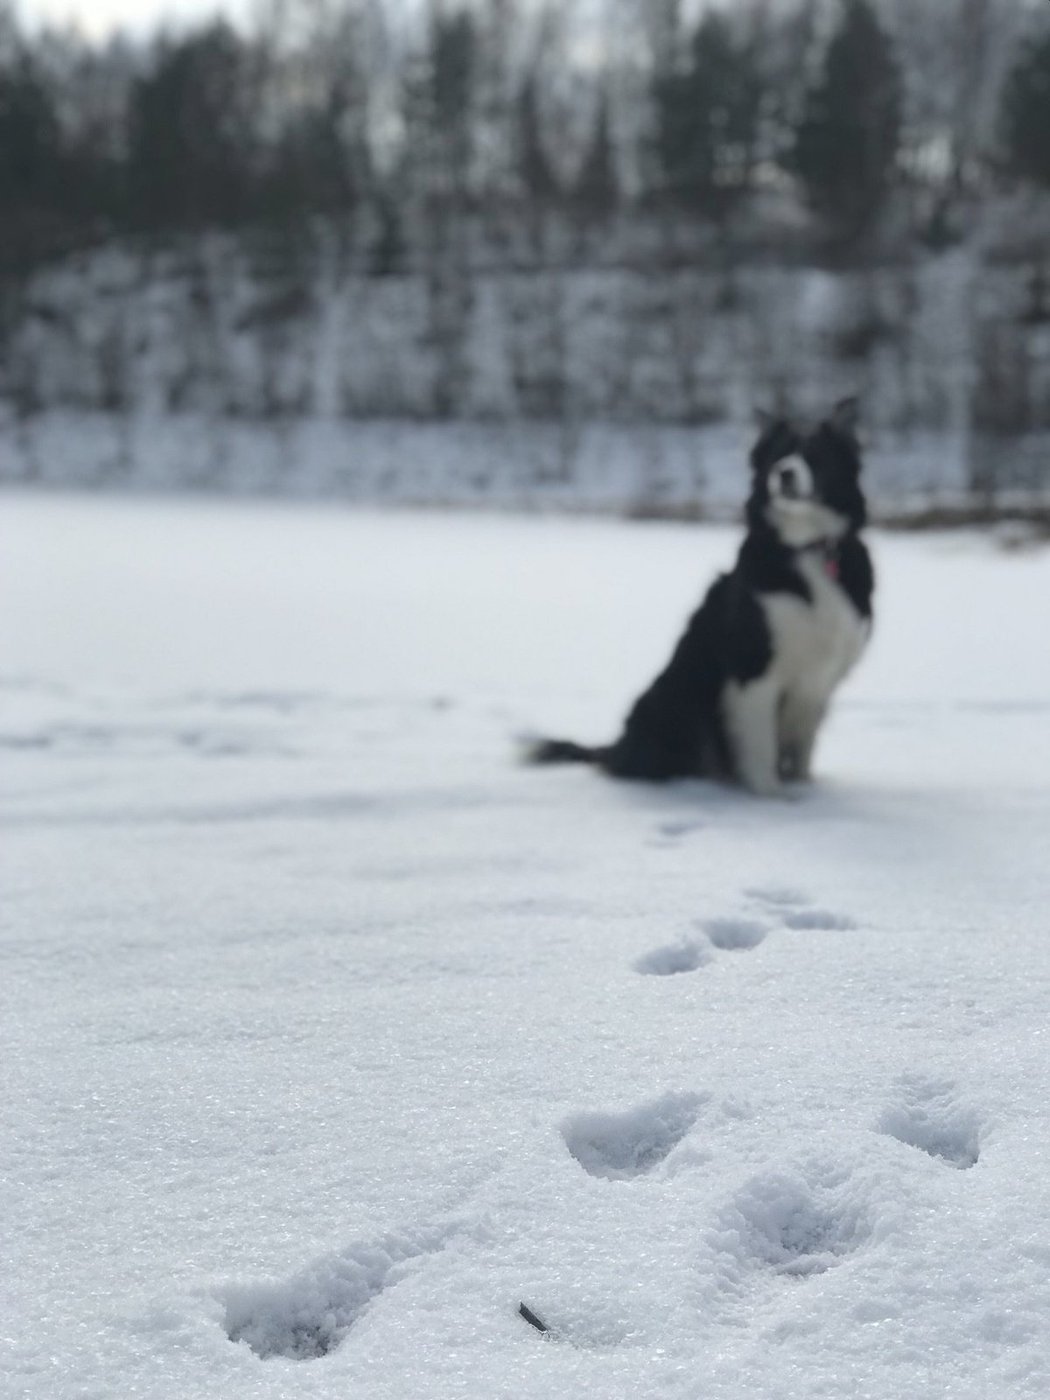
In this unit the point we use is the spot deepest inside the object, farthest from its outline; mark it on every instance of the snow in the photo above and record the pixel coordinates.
(331, 1036)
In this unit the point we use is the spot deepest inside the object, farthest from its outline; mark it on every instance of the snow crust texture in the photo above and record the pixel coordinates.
(332, 1037)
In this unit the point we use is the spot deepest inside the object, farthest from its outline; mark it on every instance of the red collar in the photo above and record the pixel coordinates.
(828, 553)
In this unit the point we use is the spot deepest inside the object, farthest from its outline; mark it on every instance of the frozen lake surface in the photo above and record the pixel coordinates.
(330, 1035)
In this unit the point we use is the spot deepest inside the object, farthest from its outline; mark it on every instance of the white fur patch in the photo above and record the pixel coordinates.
(793, 469)
(801, 523)
(773, 720)
(750, 713)
(815, 643)
(794, 512)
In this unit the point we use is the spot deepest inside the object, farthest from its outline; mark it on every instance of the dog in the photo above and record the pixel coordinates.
(745, 692)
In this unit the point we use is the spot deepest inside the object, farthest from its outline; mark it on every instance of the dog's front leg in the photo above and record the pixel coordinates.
(751, 720)
(800, 719)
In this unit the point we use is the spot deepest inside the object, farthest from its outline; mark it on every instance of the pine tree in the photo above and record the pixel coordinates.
(597, 190)
(29, 138)
(728, 90)
(453, 63)
(388, 251)
(1026, 113)
(707, 120)
(847, 141)
(189, 139)
(33, 170)
(534, 165)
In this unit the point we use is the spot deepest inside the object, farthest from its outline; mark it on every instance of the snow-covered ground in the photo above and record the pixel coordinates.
(330, 1035)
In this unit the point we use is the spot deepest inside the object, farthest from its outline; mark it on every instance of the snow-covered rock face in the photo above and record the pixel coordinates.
(593, 389)
(332, 1036)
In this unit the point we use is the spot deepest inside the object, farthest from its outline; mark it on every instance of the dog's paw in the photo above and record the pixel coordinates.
(798, 773)
(793, 768)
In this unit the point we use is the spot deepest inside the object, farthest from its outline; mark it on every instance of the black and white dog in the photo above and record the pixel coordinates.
(748, 685)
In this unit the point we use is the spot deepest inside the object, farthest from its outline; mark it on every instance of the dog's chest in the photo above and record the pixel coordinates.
(815, 641)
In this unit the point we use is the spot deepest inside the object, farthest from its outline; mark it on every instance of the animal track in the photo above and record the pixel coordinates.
(795, 909)
(794, 1226)
(818, 919)
(735, 934)
(311, 1314)
(620, 1146)
(777, 896)
(928, 1116)
(686, 956)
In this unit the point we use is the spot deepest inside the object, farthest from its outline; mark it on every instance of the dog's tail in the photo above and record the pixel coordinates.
(561, 751)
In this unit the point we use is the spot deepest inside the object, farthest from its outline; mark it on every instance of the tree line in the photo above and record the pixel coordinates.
(504, 129)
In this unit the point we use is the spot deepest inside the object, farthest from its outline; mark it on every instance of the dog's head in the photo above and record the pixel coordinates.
(806, 481)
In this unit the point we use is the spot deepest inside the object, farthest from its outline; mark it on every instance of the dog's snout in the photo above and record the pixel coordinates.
(789, 481)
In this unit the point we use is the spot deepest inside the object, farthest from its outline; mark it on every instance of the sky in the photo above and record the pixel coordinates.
(100, 17)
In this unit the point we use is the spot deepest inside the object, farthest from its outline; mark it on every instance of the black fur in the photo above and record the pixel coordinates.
(676, 728)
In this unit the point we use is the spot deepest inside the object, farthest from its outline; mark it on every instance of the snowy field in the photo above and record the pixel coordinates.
(330, 1035)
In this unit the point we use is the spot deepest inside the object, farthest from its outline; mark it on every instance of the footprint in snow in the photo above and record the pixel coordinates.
(734, 935)
(689, 954)
(673, 958)
(777, 896)
(621, 1146)
(794, 1224)
(818, 919)
(929, 1115)
(796, 910)
(310, 1314)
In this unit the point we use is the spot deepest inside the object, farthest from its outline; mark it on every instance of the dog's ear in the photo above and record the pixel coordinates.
(776, 439)
(845, 416)
(767, 424)
(776, 415)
